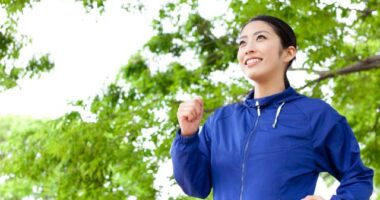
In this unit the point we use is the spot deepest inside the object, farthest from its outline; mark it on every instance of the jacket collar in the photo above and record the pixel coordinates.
(278, 98)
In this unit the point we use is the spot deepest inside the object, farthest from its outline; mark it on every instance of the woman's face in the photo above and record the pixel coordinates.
(260, 52)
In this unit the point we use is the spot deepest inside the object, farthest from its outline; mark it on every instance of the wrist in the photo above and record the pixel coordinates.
(188, 133)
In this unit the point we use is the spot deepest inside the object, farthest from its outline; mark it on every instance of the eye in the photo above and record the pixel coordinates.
(241, 42)
(261, 37)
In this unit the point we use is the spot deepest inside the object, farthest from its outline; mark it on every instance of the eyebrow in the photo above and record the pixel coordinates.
(255, 33)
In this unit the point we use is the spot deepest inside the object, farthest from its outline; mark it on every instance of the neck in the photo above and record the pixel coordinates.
(268, 89)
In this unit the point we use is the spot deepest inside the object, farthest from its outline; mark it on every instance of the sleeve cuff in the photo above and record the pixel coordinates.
(187, 139)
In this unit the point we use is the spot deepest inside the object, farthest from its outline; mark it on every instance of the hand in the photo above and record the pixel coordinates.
(189, 116)
(313, 197)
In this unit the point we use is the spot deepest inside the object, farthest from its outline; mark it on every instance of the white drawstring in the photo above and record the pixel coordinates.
(258, 108)
(277, 114)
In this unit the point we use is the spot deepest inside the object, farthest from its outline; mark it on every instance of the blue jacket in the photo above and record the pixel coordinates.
(271, 148)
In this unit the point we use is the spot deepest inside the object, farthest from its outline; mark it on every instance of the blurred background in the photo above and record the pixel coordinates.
(89, 89)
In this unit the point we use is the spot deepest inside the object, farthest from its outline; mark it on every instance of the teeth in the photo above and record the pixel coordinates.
(252, 61)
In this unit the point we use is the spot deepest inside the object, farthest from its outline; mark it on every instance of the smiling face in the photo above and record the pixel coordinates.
(261, 55)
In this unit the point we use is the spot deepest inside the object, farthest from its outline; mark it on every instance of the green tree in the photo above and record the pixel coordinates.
(116, 154)
(11, 45)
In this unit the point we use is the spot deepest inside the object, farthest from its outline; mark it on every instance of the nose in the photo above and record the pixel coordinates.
(249, 51)
(249, 48)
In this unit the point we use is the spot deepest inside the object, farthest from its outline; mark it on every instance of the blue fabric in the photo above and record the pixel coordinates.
(241, 153)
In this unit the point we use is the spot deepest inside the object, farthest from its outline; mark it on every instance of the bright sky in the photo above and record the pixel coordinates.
(88, 49)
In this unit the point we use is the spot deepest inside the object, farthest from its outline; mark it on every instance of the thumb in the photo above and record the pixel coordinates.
(199, 99)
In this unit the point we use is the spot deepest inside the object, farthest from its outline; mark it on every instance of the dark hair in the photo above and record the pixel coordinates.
(284, 31)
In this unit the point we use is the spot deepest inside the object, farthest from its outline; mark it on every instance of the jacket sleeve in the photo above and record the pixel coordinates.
(337, 152)
(191, 162)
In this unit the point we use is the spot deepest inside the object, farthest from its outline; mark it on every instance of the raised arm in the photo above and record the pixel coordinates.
(191, 151)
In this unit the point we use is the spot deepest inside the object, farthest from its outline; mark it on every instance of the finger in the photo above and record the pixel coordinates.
(193, 106)
(189, 104)
(199, 100)
(185, 119)
(189, 109)
(190, 114)
(199, 106)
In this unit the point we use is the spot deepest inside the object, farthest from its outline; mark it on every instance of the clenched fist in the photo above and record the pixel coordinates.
(189, 116)
(313, 197)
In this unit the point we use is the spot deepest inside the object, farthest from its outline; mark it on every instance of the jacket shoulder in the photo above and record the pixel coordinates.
(317, 109)
(227, 110)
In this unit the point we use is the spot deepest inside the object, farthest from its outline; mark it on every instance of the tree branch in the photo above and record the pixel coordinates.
(306, 70)
(367, 64)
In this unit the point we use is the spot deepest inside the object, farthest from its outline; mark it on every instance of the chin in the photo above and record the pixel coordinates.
(252, 73)
(252, 76)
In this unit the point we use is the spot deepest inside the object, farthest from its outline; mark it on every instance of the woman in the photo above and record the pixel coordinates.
(272, 145)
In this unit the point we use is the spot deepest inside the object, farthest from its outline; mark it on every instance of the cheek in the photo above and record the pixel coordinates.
(269, 49)
(274, 49)
(240, 56)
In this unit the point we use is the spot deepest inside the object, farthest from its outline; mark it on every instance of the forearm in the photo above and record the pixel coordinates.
(358, 187)
(191, 166)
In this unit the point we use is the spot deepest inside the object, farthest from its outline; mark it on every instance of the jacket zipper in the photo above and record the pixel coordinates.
(246, 149)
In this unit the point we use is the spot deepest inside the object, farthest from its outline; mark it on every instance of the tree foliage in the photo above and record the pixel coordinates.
(117, 153)
(11, 45)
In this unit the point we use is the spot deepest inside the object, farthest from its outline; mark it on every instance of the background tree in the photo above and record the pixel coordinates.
(117, 154)
(11, 44)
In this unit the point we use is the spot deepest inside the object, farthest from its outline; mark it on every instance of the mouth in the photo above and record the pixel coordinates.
(252, 61)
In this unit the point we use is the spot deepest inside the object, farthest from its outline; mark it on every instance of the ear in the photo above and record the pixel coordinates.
(289, 53)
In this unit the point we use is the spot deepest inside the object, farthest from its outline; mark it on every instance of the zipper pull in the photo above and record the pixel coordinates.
(258, 108)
